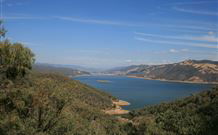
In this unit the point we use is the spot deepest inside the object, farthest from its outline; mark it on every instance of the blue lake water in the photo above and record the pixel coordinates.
(141, 92)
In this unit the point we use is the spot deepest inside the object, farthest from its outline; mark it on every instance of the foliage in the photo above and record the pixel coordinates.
(15, 60)
(53, 104)
(194, 115)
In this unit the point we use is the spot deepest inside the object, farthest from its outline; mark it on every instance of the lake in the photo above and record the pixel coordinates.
(140, 92)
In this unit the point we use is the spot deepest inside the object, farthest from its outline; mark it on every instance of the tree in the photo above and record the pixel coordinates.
(15, 59)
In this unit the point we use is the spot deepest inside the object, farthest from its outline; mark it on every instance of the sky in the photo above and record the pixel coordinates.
(111, 33)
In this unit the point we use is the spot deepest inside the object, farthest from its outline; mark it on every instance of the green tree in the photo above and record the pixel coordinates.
(15, 59)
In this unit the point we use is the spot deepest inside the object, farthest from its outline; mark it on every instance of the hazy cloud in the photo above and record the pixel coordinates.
(128, 61)
(179, 6)
(176, 43)
(135, 24)
(173, 51)
(195, 11)
(195, 3)
(178, 50)
(96, 21)
(173, 27)
(25, 18)
(208, 38)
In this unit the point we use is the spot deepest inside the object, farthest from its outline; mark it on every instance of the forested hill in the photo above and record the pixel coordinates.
(49, 104)
(49, 68)
(194, 115)
(190, 70)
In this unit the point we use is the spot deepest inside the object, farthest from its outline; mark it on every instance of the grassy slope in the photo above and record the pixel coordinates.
(177, 71)
(53, 104)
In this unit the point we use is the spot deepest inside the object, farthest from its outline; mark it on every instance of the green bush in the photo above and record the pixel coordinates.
(15, 60)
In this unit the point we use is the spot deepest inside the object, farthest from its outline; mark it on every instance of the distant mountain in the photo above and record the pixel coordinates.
(52, 68)
(189, 70)
(75, 67)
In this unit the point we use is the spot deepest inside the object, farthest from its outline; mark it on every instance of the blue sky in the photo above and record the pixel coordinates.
(110, 33)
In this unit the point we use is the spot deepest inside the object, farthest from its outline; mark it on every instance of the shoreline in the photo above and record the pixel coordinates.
(118, 108)
(163, 80)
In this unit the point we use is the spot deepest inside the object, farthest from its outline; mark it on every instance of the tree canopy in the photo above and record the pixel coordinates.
(15, 59)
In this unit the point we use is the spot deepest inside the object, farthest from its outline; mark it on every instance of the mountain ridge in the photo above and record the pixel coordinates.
(52, 68)
(196, 71)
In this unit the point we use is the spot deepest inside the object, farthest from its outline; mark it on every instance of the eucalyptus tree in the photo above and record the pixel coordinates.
(15, 59)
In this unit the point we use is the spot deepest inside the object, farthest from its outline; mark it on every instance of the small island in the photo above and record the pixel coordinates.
(103, 81)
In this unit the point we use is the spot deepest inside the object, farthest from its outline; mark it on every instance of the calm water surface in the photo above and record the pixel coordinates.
(141, 92)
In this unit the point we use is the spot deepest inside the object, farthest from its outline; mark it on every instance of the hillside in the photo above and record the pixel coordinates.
(190, 71)
(49, 104)
(33, 103)
(194, 115)
(50, 68)
(53, 104)
(75, 67)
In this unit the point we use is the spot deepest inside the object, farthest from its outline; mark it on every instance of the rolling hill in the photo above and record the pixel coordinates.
(51, 68)
(49, 104)
(198, 71)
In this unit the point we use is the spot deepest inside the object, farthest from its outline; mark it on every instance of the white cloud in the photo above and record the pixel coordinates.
(179, 28)
(191, 31)
(211, 33)
(24, 18)
(184, 50)
(179, 50)
(173, 51)
(96, 21)
(162, 36)
(128, 61)
(136, 24)
(178, 7)
(189, 27)
(195, 11)
(176, 43)
(208, 38)
(194, 3)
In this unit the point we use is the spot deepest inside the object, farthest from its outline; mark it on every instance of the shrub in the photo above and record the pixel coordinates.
(15, 60)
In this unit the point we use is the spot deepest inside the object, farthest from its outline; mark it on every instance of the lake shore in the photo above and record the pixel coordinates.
(123, 87)
(164, 80)
(118, 108)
